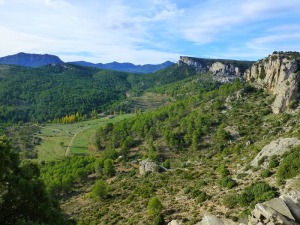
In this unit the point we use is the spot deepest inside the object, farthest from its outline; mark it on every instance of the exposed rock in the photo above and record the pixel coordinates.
(281, 210)
(279, 205)
(233, 132)
(248, 143)
(213, 220)
(175, 222)
(210, 220)
(223, 70)
(277, 73)
(147, 166)
(277, 147)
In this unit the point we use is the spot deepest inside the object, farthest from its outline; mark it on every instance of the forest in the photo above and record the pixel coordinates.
(202, 144)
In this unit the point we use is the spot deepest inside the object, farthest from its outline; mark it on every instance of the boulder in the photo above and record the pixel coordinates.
(279, 205)
(277, 147)
(210, 220)
(175, 222)
(284, 210)
(147, 166)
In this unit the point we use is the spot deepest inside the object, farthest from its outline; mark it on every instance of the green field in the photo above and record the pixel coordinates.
(56, 138)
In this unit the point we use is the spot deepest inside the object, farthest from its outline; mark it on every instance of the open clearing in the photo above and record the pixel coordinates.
(79, 137)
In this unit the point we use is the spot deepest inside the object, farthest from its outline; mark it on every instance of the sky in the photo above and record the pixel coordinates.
(149, 31)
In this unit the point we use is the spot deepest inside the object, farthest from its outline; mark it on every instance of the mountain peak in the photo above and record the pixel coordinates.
(30, 60)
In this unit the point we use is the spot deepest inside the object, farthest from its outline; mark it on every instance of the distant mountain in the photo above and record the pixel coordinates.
(126, 67)
(30, 60)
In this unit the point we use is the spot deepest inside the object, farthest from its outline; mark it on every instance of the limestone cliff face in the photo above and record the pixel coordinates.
(278, 74)
(223, 70)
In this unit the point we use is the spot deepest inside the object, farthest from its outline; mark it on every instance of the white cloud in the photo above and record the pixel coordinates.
(142, 31)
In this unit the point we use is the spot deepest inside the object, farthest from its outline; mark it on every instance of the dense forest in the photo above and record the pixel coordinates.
(55, 91)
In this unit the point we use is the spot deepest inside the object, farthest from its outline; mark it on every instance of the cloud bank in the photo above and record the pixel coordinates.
(149, 31)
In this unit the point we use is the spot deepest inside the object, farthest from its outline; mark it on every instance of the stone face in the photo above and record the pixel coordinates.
(277, 73)
(175, 222)
(222, 70)
(279, 205)
(147, 166)
(210, 220)
(277, 147)
(294, 208)
(283, 210)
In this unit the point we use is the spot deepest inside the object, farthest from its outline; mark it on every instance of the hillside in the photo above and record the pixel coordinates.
(55, 91)
(217, 153)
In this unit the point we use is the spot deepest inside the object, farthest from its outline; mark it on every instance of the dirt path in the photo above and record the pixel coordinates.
(72, 140)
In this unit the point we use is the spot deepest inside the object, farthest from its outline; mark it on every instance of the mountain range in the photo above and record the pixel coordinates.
(37, 60)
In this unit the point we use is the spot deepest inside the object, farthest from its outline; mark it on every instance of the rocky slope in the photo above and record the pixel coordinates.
(278, 73)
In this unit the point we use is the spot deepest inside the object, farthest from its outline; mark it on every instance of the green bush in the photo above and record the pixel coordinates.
(223, 170)
(273, 163)
(100, 190)
(256, 192)
(266, 173)
(230, 201)
(154, 207)
(159, 220)
(202, 197)
(290, 166)
(227, 182)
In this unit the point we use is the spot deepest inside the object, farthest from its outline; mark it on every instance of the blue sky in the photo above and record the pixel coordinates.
(149, 31)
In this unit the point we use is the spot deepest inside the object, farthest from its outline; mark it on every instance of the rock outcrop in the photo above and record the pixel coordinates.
(278, 74)
(284, 210)
(147, 166)
(223, 70)
(213, 220)
(175, 222)
(277, 147)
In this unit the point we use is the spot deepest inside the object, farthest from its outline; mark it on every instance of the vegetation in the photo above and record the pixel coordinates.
(290, 166)
(205, 136)
(23, 198)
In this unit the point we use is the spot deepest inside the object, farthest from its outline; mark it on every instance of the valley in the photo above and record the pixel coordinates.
(203, 140)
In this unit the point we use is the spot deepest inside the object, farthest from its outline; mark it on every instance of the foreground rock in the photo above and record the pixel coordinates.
(278, 74)
(277, 147)
(284, 210)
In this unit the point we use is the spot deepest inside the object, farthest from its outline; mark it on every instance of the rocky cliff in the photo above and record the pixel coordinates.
(278, 74)
(223, 70)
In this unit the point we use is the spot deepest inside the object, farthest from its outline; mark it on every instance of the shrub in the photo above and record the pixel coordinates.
(167, 164)
(257, 192)
(108, 169)
(154, 207)
(290, 166)
(202, 197)
(159, 220)
(100, 190)
(266, 173)
(223, 170)
(230, 201)
(227, 182)
(273, 163)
